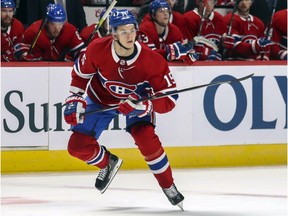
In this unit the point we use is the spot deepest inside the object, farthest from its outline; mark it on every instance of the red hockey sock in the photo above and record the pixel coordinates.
(150, 147)
(86, 148)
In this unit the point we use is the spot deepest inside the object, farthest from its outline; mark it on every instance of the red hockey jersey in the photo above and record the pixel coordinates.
(149, 36)
(113, 78)
(212, 28)
(10, 38)
(245, 31)
(53, 49)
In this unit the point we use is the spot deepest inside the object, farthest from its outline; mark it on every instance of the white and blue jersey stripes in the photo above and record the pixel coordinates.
(77, 69)
(159, 165)
(98, 158)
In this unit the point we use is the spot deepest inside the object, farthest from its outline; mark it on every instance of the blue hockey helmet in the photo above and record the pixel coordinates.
(104, 10)
(122, 17)
(8, 4)
(56, 13)
(156, 4)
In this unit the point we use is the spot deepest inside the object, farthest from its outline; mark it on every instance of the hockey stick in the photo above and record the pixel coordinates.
(202, 18)
(200, 39)
(230, 24)
(269, 26)
(37, 35)
(232, 17)
(154, 97)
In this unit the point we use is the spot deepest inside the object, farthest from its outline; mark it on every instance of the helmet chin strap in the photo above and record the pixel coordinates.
(120, 44)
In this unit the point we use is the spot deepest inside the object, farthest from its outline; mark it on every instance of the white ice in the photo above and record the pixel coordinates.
(253, 191)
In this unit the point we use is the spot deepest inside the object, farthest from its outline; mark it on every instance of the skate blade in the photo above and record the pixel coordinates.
(117, 167)
(180, 205)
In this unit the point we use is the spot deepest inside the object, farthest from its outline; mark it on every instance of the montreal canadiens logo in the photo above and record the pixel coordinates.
(249, 38)
(120, 90)
(215, 38)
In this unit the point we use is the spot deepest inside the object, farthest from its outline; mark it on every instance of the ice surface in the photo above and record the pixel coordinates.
(256, 191)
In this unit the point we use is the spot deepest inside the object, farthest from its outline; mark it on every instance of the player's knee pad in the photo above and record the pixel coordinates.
(150, 147)
(147, 141)
(82, 146)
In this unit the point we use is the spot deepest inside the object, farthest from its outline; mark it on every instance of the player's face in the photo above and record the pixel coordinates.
(6, 16)
(209, 7)
(162, 16)
(244, 6)
(126, 34)
(54, 28)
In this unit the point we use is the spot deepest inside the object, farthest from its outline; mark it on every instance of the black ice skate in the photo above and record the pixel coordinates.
(174, 196)
(107, 174)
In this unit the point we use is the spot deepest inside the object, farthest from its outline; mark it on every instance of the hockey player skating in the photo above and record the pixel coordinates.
(119, 70)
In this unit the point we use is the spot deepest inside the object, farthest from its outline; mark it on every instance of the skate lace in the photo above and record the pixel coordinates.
(171, 192)
(102, 173)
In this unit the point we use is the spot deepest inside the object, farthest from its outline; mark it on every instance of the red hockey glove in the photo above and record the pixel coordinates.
(21, 53)
(129, 107)
(261, 46)
(75, 105)
(21, 49)
(228, 41)
(202, 50)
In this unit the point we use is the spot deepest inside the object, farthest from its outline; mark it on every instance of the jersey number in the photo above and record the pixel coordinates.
(169, 79)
